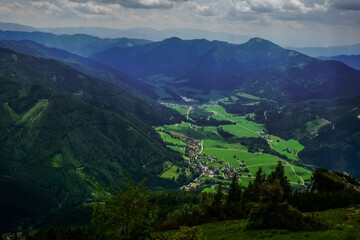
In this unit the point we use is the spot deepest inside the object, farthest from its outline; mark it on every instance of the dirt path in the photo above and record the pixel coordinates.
(187, 114)
(302, 180)
(202, 147)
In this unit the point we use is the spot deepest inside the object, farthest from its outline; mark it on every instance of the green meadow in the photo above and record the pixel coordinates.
(172, 172)
(231, 151)
(289, 148)
(183, 111)
(344, 225)
(169, 139)
(234, 230)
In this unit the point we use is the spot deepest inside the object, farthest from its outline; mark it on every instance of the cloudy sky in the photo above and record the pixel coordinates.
(286, 22)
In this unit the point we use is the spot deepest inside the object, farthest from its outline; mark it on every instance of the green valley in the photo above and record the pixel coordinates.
(177, 139)
(233, 145)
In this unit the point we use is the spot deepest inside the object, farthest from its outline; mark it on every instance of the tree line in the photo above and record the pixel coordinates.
(132, 212)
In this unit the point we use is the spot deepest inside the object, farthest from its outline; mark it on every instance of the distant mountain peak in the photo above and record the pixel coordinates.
(5, 26)
(173, 39)
(257, 40)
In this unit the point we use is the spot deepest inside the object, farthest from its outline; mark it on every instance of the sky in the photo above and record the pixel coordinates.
(295, 23)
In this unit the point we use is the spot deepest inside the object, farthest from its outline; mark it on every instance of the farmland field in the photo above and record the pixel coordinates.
(228, 156)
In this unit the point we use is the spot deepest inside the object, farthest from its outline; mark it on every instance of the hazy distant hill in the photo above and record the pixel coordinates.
(330, 51)
(82, 64)
(61, 132)
(151, 34)
(350, 60)
(258, 66)
(80, 44)
(16, 27)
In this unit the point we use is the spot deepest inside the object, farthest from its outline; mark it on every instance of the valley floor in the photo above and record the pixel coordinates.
(217, 159)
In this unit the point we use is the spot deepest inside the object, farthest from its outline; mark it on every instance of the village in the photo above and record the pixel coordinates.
(203, 165)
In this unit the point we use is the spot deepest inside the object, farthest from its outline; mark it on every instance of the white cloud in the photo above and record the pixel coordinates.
(339, 18)
(89, 8)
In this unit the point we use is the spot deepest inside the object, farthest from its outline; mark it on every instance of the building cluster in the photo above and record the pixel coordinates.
(264, 136)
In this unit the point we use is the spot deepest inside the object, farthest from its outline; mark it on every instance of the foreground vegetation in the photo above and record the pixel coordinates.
(267, 204)
(345, 224)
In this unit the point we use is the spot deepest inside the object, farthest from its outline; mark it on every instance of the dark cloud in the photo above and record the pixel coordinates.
(262, 7)
(346, 5)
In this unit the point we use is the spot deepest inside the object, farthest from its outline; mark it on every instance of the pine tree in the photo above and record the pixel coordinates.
(218, 199)
(279, 173)
(254, 190)
(216, 208)
(125, 214)
(234, 194)
(258, 185)
(233, 204)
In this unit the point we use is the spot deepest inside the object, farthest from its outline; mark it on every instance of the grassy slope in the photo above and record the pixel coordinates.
(345, 224)
(171, 173)
(245, 128)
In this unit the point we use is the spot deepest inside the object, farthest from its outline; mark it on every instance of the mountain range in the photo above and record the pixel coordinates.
(350, 60)
(135, 33)
(259, 66)
(82, 64)
(80, 44)
(329, 51)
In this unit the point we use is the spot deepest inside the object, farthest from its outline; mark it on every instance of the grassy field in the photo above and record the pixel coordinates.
(183, 111)
(289, 148)
(242, 128)
(344, 225)
(181, 130)
(209, 190)
(231, 151)
(31, 115)
(315, 125)
(245, 128)
(169, 139)
(248, 96)
(172, 172)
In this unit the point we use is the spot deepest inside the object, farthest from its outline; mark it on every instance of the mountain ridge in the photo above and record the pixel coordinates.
(329, 51)
(62, 132)
(219, 65)
(82, 64)
(80, 44)
(350, 60)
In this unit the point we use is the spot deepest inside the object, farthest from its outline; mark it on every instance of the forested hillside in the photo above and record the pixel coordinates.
(63, 132)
